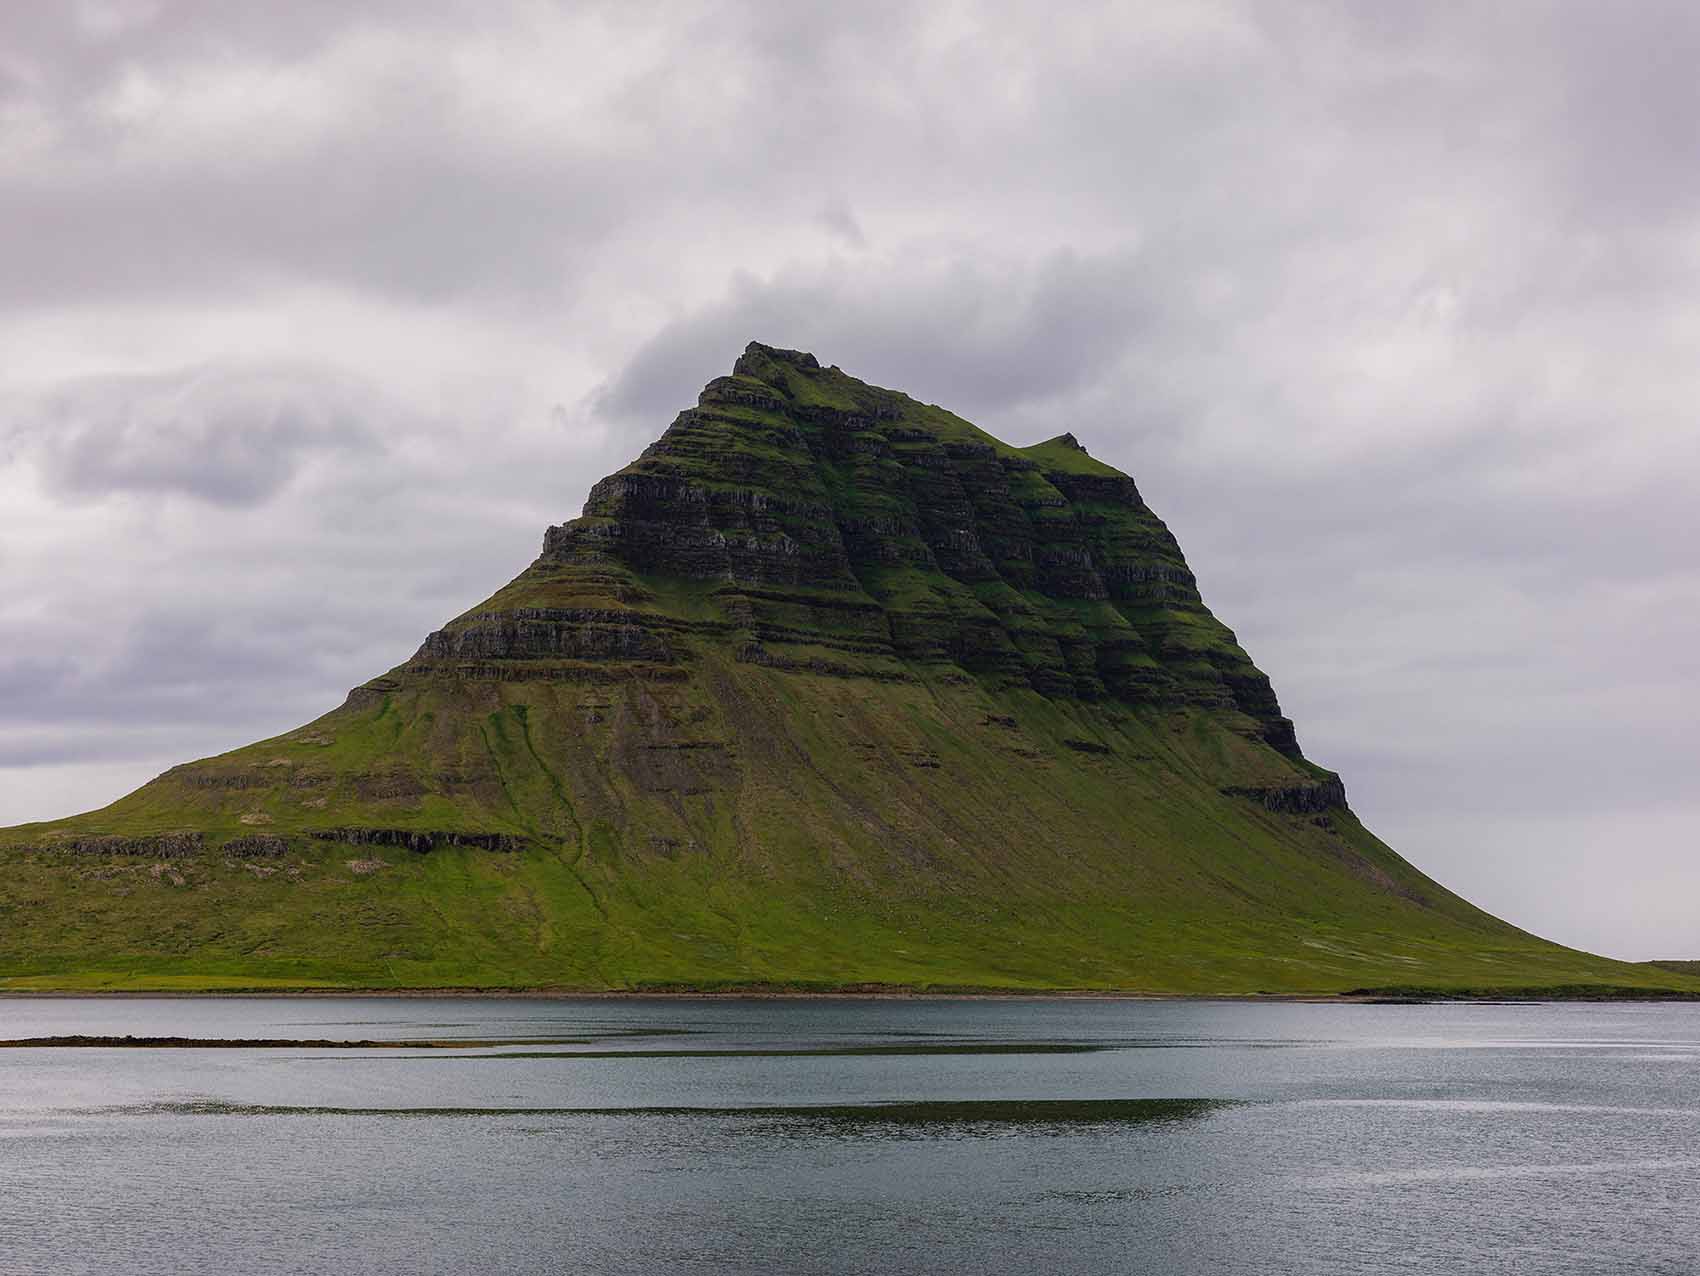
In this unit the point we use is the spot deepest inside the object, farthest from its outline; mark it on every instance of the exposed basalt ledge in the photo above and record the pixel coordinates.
(1087, 746)
(420, 841)
(256, 846)
(155, 846)
(552, 671)
(755, 654)
(539, 633)
(234, 778)
(1294, 799)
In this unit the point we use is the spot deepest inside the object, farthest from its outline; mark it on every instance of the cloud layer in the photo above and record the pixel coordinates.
(314, 315)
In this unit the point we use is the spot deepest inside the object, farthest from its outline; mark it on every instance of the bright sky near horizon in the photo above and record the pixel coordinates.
(312, 316)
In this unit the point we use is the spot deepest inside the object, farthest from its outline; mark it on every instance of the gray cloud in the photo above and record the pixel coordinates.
(231, 437)
(1387, 307)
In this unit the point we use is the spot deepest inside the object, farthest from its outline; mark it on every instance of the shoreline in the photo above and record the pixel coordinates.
(682, 994)
(1372, 997)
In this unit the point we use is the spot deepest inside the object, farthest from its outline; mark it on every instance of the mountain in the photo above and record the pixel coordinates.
(829, 688)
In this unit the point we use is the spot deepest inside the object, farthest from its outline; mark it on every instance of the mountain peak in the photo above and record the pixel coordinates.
(756, 355)
(842, 528)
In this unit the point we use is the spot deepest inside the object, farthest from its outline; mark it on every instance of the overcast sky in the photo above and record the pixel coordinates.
(313, 315)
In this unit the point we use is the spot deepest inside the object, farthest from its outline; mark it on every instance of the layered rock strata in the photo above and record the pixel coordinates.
(811, 521)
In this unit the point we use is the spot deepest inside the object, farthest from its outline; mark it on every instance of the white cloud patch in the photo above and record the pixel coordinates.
(226, 436)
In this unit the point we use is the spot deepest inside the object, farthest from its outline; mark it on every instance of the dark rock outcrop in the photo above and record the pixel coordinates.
(256, 846)
(419, 840)
(823, 525)
(152, 846)
(1295, 799)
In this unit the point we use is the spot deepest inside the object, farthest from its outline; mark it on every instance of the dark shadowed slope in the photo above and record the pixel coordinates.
(828, 688)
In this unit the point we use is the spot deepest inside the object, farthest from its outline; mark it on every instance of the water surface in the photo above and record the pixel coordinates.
(969, 1136)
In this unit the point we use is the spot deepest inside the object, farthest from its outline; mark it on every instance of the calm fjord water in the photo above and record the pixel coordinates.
(755, 1136)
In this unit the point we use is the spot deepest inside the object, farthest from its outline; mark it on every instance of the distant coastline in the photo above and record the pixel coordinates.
(1389, 996)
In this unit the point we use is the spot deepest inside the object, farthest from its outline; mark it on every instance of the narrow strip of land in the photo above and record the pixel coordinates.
(951, 1112)
(79, 1042)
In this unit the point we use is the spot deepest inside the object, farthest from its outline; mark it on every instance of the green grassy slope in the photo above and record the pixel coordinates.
(1677, 966)
(813, 832)
(830, 689)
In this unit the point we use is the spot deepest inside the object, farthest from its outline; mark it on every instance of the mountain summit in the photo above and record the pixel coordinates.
(829, 688)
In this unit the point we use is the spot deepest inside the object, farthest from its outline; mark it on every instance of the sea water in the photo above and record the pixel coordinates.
(878, 1136)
